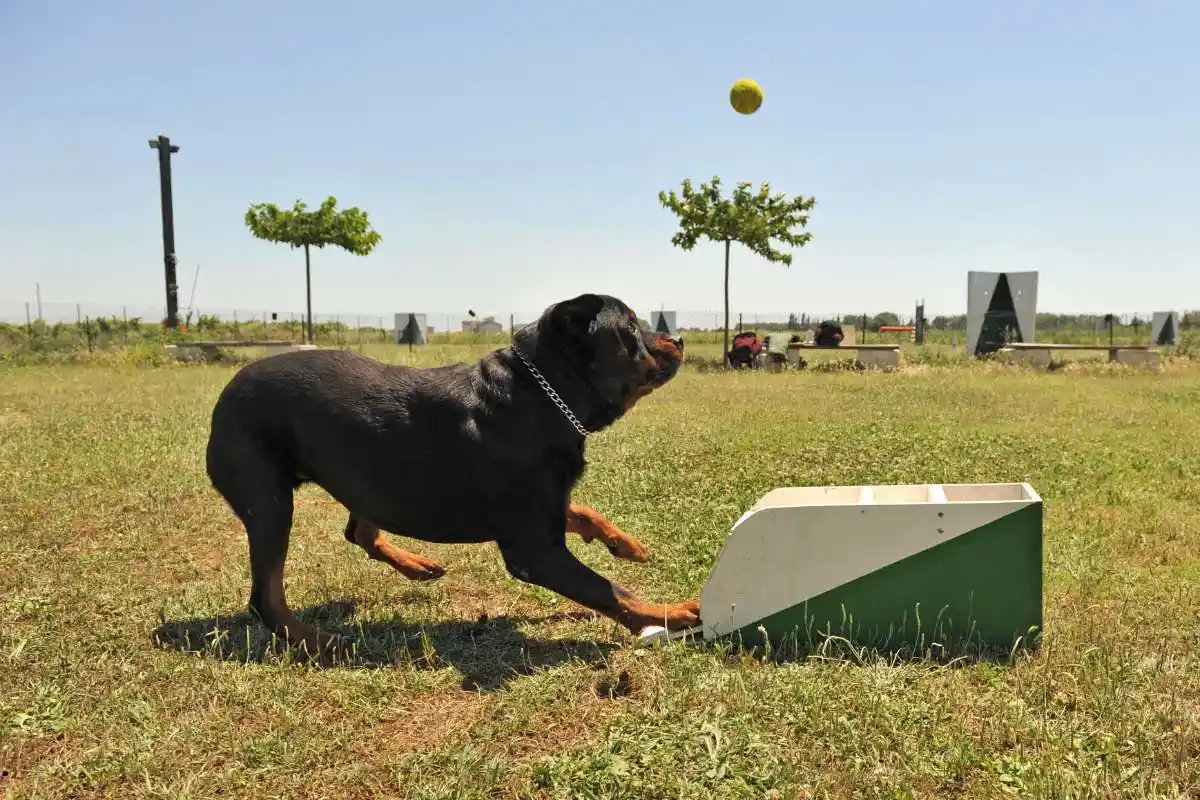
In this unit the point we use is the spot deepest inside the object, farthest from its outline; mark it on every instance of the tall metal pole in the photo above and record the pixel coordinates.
(165, 149)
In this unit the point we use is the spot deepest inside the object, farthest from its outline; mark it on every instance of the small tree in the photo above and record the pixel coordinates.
(348, 229)
(755, 219)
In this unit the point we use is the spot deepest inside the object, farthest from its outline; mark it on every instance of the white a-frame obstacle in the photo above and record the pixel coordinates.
(1001, 308)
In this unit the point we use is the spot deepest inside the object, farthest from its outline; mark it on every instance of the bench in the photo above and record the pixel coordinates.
(188, 350)
(1038, 353)
(884, 356)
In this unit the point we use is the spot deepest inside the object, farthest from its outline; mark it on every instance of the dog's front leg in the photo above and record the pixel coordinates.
(590, 524)
(553, 566)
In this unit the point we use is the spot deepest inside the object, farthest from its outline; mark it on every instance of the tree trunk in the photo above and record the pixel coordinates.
(725, 352)
(308, 291)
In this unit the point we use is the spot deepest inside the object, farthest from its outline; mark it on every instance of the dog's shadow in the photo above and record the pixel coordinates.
(488, 652)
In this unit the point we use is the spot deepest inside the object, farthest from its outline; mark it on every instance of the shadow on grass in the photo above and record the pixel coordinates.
(488, 652)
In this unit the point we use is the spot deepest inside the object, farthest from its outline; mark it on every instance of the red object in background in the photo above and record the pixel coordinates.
(748, 339)
(745, 350)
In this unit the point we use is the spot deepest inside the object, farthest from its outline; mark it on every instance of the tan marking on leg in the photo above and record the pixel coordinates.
(412, 566)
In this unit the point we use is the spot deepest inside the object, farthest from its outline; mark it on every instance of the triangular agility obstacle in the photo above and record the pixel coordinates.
(663, 322)
(1164, 328)
(410, 328)
(1001, 308)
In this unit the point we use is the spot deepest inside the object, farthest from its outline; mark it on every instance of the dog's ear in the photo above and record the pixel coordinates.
(577, 317)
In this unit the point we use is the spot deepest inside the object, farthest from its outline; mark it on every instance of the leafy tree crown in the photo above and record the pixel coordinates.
(755, 218)
(348, 228)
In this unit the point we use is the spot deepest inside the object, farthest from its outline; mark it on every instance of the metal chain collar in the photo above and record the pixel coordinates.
(553, 395)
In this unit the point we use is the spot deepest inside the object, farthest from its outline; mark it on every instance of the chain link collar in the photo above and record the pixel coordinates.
(553, 395)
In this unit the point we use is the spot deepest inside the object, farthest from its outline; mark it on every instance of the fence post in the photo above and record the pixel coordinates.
(28, 322)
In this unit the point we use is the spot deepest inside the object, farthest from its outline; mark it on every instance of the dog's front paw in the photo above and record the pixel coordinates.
(672, 616)
(629, 549)
(683, 615)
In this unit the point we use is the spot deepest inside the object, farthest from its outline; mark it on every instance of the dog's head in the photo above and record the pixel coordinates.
(601, 345)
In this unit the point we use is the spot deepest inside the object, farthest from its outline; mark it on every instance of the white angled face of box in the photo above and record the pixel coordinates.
(884, 564)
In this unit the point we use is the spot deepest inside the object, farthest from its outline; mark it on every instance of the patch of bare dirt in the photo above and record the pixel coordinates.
(426, 721)
(21, 757)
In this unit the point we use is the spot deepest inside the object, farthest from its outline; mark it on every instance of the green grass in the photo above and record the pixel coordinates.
(128, 667)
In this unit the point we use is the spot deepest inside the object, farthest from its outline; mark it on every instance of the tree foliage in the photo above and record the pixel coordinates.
(349, 228)
(757, 219)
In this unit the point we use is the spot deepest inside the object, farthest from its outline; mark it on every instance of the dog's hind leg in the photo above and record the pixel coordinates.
(260, 493)
(590, 524)
(375, 542)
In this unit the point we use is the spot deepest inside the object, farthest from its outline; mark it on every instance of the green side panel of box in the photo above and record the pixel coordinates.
(984, 587)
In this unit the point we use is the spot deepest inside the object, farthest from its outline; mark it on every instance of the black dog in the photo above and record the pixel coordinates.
(467, 453)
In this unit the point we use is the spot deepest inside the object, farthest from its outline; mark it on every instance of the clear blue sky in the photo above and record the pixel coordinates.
(511, 153)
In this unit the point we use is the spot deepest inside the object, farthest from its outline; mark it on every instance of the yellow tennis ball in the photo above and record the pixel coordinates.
(745, 96)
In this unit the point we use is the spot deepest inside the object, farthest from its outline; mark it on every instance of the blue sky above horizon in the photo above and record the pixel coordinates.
(511, 154)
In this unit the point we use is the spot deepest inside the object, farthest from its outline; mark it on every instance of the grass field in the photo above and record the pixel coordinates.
(128, 667)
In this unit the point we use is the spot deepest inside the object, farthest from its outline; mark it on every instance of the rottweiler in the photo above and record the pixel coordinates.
(482, 452)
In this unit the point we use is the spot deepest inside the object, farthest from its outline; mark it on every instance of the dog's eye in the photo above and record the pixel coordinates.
(631, 338)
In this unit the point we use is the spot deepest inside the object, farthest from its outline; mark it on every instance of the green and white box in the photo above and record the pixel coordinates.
(886, 565)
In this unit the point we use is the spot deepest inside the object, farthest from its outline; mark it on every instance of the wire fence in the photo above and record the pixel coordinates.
(461, 321)
(92, 325)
